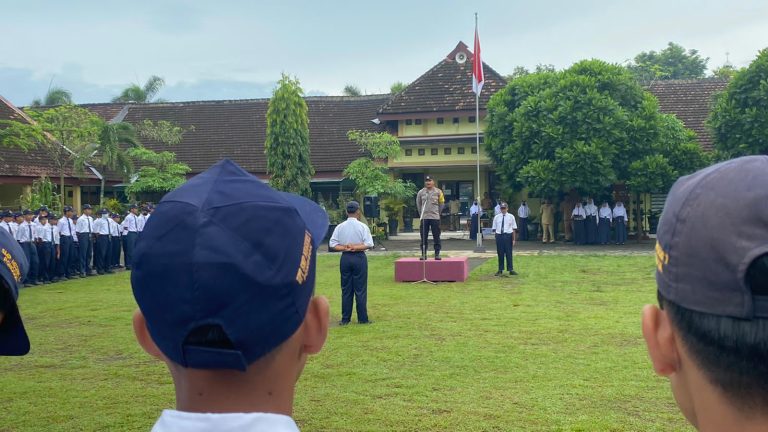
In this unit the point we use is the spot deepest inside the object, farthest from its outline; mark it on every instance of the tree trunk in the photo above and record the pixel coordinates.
(62, 196)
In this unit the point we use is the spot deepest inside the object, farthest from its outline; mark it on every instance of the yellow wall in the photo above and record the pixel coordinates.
(9, 196)
(430, 127)
(441, 159)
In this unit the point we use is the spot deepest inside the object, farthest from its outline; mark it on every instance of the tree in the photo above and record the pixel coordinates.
(584, 129)
(287, 144)
(397, 87)
(54, 96)
(108, 152)
(138, 94)
(370, 172)
(673, 62)
(520, 71)
(726, 72)
(351, 90)
(739, 117)
(159, 172)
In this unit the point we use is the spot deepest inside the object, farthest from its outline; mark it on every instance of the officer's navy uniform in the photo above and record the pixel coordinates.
(353, 267)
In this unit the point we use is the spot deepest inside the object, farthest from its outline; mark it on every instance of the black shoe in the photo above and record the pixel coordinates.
(27, 285)
(343, 323)
(366, 322)
(34, 283)
(512, 273)
(498, 273)
(82, 275)
(100, 273)
(127, 267)
(109, 271)
(437, 257)
(423, 258)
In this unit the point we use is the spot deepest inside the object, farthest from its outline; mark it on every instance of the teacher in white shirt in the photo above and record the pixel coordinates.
(504, 227)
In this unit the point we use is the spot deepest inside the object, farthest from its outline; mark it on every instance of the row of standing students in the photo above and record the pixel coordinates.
(593, 226)
(70, 246)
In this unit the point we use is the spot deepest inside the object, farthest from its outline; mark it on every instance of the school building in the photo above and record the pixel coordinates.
(433, 117)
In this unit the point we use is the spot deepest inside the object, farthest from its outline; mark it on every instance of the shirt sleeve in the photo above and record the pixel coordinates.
(514, 223)
(334, 237)
(368, 239)
(495, 224)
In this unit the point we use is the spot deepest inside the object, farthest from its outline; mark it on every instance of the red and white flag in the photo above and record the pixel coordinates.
(477, 67)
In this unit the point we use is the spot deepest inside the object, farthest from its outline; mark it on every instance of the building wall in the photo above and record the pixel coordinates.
(9, 196)
(432, 126)
(446, 155)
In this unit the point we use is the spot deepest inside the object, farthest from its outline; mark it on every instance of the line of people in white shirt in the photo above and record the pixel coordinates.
(61, 248)
(592, 225)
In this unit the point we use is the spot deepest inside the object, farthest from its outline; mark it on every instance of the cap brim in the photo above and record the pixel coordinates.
(13, 336)
(315, 218)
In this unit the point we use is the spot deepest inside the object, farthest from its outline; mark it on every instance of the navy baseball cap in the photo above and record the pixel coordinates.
(503, 205)
(87, 206)
(702, 266)
(13, 269)
(68, 209)
(353, 206)
(26, 212)
(214, 267)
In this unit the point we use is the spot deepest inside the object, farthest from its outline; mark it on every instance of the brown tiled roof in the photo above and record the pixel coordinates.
(237, 130)
(445, 87)
(690, 101)
(35, 162)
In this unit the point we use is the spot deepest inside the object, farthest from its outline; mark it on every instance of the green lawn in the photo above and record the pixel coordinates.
(556, 348)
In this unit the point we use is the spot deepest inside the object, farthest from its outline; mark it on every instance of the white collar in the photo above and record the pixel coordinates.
(172, 420)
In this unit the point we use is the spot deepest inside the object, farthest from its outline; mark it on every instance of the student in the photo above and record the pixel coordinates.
(352, 238)
(590, 223)
(578, 216)
(504, 227)
(53, 270)
(474, 213)
(45, 248)
(13, 270)
(102, 249)
(523, 212)
(620, 219)
(115, 241)
(131, 233)
(709, 334)
(8, 224)
(230, 312)
(74, 260)
(67, 238)
(605, 217)
(26, 235)
(85, 240)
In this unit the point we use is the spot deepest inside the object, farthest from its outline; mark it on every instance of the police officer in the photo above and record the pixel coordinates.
(84, 238)
(67, 236)
(504, 227)
(102, 249)
(26, 237)
(352, 238)
(429, 202)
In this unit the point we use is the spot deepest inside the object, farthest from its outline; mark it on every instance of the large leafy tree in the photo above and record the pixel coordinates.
(585, 128)
(54, 96)
(159, 172)
(370, 172)
(142, 94)
(287, 143)
(109, 152)
(673, 62)
(739, 118)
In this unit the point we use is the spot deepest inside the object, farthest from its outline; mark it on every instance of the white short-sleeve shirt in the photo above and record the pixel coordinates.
(177, 421)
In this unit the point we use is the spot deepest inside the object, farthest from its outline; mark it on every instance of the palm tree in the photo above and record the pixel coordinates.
(54, 96)
(109, 154)
(137, 94)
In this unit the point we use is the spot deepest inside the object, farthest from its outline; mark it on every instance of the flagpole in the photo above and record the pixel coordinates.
(479, 246)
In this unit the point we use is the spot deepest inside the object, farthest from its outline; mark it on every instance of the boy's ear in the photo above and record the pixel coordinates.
(316, 325)
(143, 336)
(660, 340)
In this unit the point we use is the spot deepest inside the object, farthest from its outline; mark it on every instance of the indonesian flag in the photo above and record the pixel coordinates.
(477, 67)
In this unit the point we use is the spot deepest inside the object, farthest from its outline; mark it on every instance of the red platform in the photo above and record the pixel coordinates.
(445, 270)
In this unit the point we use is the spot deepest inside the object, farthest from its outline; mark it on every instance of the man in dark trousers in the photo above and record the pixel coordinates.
(67, 235)
(523, 213)
(131, 224)
(504, 227)
(85, 240)
(27, 237)
(429, 202)
(352, 238)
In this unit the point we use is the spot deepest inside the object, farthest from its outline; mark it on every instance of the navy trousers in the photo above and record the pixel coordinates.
(473, 227)
(30, 251)
(130, 243)
(426, 226)
(579, 235)
(86, 252)
(523, 229)
(621, 230)
(604, 231)
(114, 254)
(67, 249)
(354, 285)
(591, 227)
(101, 253)
(46, 260)
(504, 250)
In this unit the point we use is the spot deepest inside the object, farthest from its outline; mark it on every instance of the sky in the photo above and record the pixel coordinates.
(233, 49)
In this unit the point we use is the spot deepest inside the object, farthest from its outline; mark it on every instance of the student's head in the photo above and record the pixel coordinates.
(13, 269)
(104, 213)
(28, 215)
(605, 203)
(144, 210)
(43, 219)
(134, 209)
(231, 311)
(68, 211)
(7, 216)
(150, 208)
(524, 203)
(87, 210)
(43, 210)
(52, 219)
(503, 207)
(429, 182)
(353, 209)
(709, 335)
(115, 217)
(18, 217)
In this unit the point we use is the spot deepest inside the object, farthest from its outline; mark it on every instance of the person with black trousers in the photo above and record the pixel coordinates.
(429, 202)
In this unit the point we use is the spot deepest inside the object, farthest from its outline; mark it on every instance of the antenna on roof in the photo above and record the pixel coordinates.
(727, 58)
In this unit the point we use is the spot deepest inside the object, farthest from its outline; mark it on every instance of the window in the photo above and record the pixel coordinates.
(421, 152)
(408, 122)
(474, 150)
(408, 152)
(433, 152)
(460, 150)
(455, 120)
(418, 121)
(447, 151)
(440, 120)
(471, 119)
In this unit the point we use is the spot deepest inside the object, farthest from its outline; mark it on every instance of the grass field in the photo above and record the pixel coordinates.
(556, 348)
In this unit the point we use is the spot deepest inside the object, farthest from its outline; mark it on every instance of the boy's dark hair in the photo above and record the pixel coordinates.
(732, 352)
